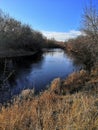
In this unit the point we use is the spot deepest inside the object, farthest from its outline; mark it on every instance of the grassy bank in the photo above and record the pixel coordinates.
(67, 105)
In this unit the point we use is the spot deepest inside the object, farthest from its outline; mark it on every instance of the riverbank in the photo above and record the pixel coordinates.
(67, 104)
(15, 53)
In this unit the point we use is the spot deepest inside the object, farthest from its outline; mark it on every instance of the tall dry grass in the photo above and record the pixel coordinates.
(51, 112)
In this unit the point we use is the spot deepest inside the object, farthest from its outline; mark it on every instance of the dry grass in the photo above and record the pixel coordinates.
(53, 110)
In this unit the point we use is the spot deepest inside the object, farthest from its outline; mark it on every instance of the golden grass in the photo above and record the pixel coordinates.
(55, 111)
(52, 112)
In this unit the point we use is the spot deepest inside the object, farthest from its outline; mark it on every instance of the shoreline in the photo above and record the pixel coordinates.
(19, 53)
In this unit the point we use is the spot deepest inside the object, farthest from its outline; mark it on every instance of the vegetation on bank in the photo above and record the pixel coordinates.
(85, 47)
(63, 106)
(17, 36)
(70, 104)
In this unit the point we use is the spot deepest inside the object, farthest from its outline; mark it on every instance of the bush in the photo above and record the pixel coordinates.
(82, 49)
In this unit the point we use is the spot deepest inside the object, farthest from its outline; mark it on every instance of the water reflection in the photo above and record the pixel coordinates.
(16, 71)
(34, 72)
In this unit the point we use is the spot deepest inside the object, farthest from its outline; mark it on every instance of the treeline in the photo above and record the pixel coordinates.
(85, 47)
(15, 35)
(82, 49)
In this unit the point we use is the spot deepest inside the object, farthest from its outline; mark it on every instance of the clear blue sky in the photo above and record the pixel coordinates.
(47, 15)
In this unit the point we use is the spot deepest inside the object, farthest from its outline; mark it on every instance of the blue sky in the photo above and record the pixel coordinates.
(54, 18)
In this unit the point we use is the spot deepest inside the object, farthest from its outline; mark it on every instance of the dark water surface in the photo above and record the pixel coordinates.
(34, 72)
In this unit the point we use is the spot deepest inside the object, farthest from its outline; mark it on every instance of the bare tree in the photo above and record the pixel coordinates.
(90, 22)
(90, 28)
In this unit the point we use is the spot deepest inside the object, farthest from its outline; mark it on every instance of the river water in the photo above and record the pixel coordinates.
(36, 72)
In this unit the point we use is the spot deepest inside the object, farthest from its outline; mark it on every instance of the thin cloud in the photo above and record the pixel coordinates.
(61, 36)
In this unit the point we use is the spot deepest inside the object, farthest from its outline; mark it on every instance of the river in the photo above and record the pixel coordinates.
(36, 72)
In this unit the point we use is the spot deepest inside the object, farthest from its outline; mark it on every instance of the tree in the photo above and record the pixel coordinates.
(90, 28)
(15, 35)
(90, 22)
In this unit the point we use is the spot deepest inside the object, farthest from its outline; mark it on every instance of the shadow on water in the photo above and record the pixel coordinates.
(10, 69)
(76, 62)
(35, 71)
